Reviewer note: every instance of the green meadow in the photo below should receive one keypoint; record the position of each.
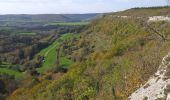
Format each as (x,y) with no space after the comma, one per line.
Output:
(50,53)
(5,70)
(27,33)
(69,23)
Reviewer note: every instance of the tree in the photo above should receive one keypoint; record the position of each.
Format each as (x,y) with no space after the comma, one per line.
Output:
(58,56)
(20,53)
(0,60)
(2,87)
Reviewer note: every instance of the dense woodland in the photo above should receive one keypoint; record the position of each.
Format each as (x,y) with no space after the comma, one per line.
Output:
(107,59)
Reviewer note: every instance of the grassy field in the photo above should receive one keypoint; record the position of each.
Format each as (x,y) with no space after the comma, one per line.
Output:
(4,65)
(5,28)
(17,74)
(50,53)
(69,23)
(4,69)
(27,33)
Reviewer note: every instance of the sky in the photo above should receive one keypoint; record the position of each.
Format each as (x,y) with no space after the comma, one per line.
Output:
(72,6)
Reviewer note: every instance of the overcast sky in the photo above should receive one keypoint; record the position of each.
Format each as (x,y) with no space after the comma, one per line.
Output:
(71,6)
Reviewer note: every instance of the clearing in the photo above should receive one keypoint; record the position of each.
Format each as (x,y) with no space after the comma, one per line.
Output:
(50,53)
(5,70)
(69,23)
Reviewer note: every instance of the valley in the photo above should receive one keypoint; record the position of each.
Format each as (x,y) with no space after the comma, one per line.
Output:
(108,56)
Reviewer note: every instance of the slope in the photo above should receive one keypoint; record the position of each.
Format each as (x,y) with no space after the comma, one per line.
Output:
(146,12)
(157,86)
(113,57)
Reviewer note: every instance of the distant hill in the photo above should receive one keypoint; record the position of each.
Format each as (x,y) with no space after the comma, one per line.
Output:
(48,17)
(145,12)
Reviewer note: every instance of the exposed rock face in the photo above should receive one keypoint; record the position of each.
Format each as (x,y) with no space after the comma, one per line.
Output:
(158,86)
(159,18)
(150,19)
